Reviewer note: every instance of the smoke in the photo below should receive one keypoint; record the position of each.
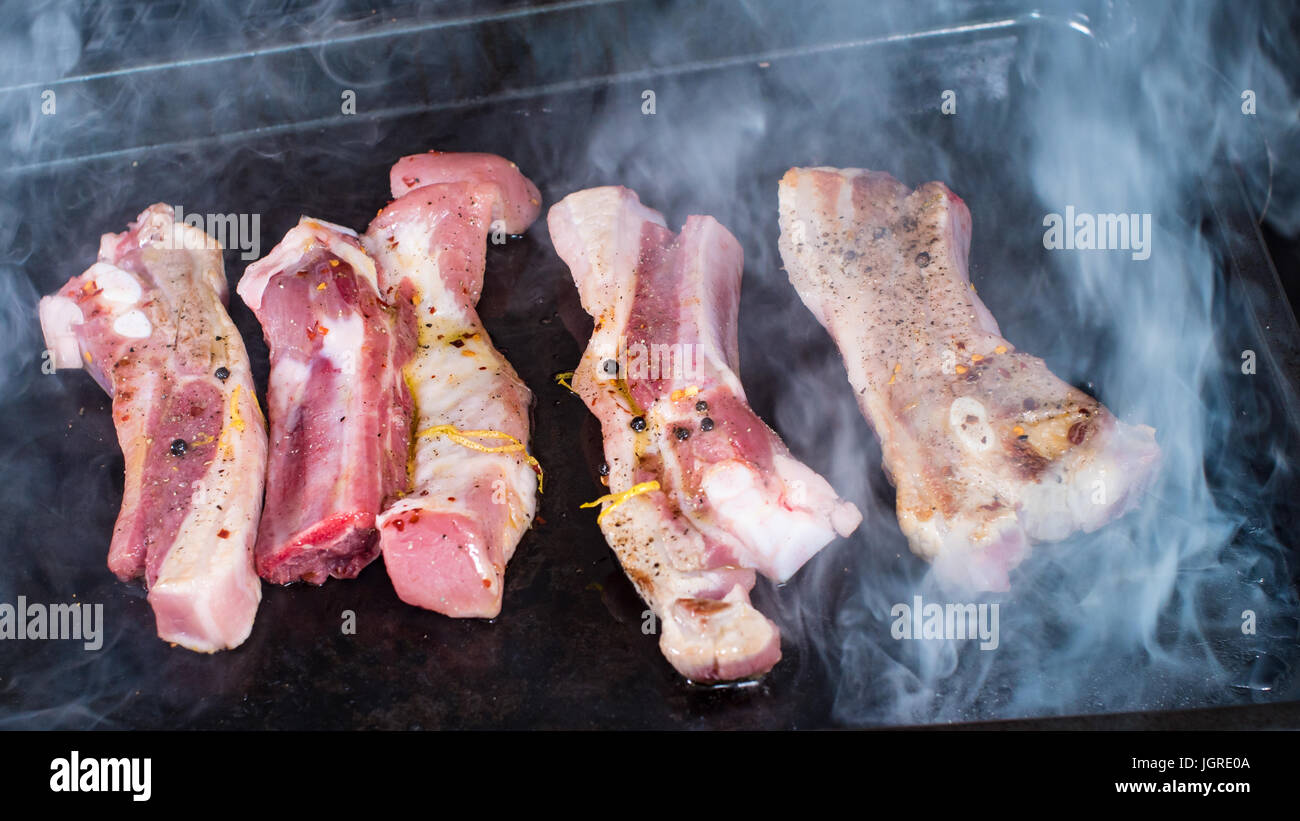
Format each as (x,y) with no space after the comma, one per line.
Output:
(1107,107)
(1190,600)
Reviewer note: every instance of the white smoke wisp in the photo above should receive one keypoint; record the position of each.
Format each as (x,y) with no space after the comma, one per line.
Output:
(1190,600)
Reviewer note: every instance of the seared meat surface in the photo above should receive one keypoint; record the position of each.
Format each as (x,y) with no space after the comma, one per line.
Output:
(988,449)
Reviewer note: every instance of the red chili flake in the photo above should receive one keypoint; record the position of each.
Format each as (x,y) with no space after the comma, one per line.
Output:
(223,534)
(399,524)
(487,582)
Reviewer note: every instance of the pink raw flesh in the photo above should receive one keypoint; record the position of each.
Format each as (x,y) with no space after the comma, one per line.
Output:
(431,559)
(338,405)
(148,321)
(447,541)
(731,497)
(193,414)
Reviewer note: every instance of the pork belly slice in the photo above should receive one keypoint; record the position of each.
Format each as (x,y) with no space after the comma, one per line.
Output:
(148,322)
(989,451)
(663,358)
(339,408)
(471,485)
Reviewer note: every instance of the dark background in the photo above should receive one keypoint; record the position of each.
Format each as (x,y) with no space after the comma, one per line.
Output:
(148,123)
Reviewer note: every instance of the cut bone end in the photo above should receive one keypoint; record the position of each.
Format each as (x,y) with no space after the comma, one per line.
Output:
(710,640)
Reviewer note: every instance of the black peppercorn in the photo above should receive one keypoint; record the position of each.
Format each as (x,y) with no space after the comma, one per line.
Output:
(223,373)
(702,406)
(682,434)
(609,367)
(706,424)
(178,447)
(638,423)
(603,470)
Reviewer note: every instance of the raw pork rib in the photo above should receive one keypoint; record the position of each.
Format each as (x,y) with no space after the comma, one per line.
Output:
(987,448)
(148,321)
(472,487)
(339,409)
(663,359)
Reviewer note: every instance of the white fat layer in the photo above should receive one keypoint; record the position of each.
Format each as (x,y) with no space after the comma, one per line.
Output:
(449,388)
(342,346)
(808,489)
(782,538)
(360,261)
(318,231)
(59,316)
(190,238)
(208,583)
(288,378)
(160,229)
(212,574)
(1097,485)
(118,286)
(342,229)
(1053,510)
(133,324)
(344,342)
(308,234)
(596,215)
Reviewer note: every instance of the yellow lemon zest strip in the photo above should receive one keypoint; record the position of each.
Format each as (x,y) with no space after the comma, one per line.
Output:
(235,418)
(462,438)
(616,499)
